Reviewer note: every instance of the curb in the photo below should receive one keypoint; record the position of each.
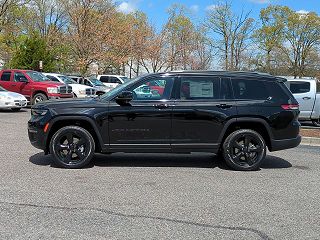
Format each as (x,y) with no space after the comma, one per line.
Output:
(310,141)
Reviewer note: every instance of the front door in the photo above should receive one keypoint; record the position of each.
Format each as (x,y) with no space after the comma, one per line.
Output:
(146,122)
(203,105)
(21,85)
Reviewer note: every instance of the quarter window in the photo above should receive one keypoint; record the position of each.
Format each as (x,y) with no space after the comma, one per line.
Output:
(299,87)
(250,89)
(6,76)
(197,88)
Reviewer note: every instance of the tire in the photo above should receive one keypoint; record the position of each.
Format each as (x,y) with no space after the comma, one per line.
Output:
(244,150)
(15,109)
(316,122)
(69,153)
(39,97)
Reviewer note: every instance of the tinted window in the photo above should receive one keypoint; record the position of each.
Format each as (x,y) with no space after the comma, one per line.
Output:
(194,88)
(143,91)
(226,89)
(114,80)
(318,86)
(5,76)
(52,78)
(19,76)
(299,87)
(249,89)
(104,79)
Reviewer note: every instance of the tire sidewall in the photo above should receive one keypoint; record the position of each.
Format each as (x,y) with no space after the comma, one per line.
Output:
(227,154)
(89,139)
(39,94)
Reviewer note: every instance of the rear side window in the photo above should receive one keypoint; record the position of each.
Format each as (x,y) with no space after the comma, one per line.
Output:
(104,79)
(249,89)
(197,88)
(299,87)
(6,76)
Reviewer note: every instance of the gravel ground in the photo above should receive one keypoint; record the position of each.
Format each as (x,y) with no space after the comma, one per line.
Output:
(147,196)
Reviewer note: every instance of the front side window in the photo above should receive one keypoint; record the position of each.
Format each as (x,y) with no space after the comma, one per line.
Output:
(246,89)
(67,80)
(6,76)
(144,91)
(18,77)
(52,78)
(199,88)
(299,87)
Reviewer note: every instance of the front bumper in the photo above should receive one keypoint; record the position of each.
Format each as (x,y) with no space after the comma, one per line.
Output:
(277,145)
(14,104)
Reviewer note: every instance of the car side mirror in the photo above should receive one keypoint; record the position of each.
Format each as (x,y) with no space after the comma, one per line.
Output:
(124,97)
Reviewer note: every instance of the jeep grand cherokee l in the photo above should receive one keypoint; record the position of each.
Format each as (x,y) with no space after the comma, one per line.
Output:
(237,115)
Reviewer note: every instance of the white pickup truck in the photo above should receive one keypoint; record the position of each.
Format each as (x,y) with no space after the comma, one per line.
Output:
(307,93)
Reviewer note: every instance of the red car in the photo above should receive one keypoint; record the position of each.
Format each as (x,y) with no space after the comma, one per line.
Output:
(33,85)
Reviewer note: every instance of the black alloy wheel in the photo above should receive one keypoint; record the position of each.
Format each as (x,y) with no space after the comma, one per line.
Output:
(316,122)
(244,149)
(72,147)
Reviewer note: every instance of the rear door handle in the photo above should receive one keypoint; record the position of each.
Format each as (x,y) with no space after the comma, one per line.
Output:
(306,98)
(224,106)
(161,105)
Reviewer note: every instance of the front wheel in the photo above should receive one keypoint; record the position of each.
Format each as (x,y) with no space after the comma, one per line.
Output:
(244,150)
(316,122)
(39,97)
(72,147)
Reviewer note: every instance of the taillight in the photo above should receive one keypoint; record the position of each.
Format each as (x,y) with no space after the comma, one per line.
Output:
(290,106)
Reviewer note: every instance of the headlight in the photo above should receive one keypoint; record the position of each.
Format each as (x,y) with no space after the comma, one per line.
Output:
(82,91)
(38,112)
(52,90)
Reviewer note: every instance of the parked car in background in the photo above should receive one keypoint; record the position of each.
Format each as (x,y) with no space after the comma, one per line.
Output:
(93,82)
(35,86)
(78,90)
(11,100)
(112,81)
(237,115)
(307,93)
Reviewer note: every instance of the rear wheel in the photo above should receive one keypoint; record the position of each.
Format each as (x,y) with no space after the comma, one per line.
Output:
(316,122)
(39,97)
(244,150)
(72,147)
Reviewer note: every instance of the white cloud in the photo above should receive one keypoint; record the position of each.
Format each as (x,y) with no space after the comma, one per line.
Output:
(127,7)
(302,11)
(260,1)
(194,8)
(211,7)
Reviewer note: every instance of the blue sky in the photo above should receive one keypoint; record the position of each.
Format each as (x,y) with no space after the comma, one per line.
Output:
(156,9)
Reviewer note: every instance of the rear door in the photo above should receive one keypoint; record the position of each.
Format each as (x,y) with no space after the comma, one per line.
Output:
(305,95)
(203,105)
(5,80)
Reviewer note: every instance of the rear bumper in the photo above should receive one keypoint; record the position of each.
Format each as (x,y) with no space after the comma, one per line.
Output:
(277,145)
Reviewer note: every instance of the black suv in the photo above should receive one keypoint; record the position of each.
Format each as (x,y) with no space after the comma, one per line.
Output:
(233,114)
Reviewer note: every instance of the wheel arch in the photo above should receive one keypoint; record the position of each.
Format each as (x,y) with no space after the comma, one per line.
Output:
(257,124)
(83,122)
(39,91)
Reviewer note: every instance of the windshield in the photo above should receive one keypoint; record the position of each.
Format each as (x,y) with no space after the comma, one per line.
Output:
(125,79)
(119,88)
(2,89)
(37,77)
(96,82)
(67,80)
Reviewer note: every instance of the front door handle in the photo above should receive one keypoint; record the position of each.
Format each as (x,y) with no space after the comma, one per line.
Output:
(161,105)
(224,106)
(306,98)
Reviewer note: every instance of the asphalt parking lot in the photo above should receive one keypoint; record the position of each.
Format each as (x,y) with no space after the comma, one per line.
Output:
(147,196)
